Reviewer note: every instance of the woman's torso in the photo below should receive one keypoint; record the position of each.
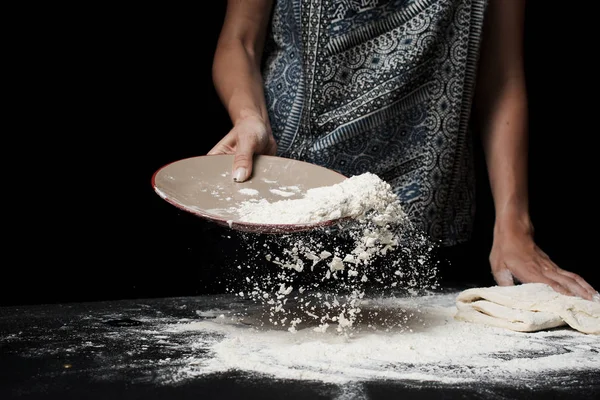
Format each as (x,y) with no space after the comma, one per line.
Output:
(383,86)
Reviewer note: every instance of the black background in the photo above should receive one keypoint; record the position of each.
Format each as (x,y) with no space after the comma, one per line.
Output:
(111,99)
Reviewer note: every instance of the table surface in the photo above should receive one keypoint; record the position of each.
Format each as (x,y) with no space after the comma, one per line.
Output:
(120,350)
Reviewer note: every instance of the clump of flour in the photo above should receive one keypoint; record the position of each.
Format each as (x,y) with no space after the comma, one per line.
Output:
(248,191)
(353,197)
(321,276)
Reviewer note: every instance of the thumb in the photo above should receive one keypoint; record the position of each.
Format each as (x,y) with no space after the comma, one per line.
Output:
(242,161)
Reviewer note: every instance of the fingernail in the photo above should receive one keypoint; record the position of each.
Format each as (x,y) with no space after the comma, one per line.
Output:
(239,175)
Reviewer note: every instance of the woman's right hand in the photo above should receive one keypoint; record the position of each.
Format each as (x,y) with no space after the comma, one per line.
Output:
(250,135)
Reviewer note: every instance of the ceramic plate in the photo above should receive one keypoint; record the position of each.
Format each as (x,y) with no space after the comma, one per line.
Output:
(204,186)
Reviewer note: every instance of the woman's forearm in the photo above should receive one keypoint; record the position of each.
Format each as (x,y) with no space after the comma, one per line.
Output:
(238,81)
(501,113)
(505,142)
(236,64)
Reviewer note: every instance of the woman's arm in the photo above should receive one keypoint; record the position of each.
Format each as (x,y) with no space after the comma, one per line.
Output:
(500,111)
(238,82)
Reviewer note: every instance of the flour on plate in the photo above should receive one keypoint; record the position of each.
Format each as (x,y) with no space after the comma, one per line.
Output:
(352,197)
(248,191)
(282,193)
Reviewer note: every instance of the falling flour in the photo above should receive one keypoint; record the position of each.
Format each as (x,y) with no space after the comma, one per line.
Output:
(322,275)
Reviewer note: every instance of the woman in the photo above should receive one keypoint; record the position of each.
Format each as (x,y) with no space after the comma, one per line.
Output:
(394,87)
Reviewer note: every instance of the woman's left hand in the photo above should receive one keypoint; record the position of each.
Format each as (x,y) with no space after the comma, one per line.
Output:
(516,256)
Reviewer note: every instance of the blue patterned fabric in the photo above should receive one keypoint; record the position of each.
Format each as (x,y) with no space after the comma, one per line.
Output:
(383,86)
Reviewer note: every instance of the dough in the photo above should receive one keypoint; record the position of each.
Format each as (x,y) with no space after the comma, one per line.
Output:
(527,308)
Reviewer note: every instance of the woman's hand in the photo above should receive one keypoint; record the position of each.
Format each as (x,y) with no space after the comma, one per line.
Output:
(515,255)
(250,135)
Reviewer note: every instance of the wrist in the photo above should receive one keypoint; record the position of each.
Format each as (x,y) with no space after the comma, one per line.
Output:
(513,222)
(245,114)
(242,107)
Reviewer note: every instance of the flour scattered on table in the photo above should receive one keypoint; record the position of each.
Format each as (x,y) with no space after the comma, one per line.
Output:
(174,341)
(430,346)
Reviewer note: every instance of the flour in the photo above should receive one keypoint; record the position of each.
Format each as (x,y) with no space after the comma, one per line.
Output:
(399,339)
(352,197)
(249,191)
(322,275)
(428,345)
(280,192)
